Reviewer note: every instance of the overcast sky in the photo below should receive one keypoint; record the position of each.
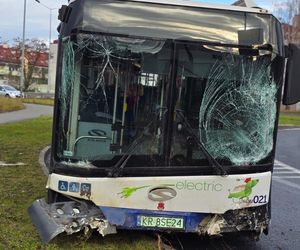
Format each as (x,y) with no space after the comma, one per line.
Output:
(38,17)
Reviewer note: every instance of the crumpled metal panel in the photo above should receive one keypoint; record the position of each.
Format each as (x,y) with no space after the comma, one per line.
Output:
(251,220)
(70,217)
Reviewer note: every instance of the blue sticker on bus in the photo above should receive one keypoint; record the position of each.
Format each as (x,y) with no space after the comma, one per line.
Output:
(63,186)
(74,187)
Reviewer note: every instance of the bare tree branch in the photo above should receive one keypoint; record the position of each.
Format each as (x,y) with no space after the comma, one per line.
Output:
(34,50)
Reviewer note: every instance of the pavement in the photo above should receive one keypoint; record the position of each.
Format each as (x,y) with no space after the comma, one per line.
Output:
(284,230)
(31,111)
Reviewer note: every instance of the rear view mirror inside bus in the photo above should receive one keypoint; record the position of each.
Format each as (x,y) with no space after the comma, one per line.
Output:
(291,93)
(251,36)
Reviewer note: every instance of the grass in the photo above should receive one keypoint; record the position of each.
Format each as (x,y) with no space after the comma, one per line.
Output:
(10,104)
(42,101)
(21,185)
(289,120)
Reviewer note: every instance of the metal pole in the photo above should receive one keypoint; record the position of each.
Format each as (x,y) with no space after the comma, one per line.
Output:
(124,110)
(23,49)
(49,52)
(115,103)
(50,28)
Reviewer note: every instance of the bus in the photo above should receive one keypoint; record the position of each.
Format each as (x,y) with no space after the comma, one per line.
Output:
(165,118)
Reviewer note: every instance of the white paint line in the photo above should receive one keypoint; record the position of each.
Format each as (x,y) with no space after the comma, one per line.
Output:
(286,177)
(295,170)
(288,183)
(278,177)
(282,169)
(283,172)
(288,129)
(279,168)
(4,164)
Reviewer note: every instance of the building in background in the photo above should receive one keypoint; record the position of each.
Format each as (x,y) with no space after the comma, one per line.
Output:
(296,30)
(36,67)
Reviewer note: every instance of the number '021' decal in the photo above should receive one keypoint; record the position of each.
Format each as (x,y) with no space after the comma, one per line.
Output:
(259,199)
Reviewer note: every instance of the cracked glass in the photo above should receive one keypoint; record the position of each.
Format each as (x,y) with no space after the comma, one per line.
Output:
(229,99)
(111,98)
(153,99)
(238,110)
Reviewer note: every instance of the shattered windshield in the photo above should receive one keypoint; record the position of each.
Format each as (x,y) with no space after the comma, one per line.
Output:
(120,96)
(238,110)
(110,96)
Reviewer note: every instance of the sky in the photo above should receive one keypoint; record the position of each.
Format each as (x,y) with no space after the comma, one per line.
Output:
(38,17)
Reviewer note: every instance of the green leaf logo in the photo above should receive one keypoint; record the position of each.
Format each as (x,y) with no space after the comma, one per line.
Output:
(128,191)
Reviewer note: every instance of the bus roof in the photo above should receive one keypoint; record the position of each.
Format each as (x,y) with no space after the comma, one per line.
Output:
(176,20)
(189,3)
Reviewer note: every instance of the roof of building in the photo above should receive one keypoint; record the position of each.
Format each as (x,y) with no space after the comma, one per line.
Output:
(13,55)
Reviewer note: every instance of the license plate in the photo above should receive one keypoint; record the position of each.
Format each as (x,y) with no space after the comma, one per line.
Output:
(161,222)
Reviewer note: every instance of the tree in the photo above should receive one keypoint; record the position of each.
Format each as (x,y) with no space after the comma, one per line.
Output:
(35,53)
(2,41)
(286,10)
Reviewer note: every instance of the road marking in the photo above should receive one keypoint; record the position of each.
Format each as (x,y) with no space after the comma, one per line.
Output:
(286,166)
(288,183)
(288,129)
(286,177)
(283,171)
(278,167)
(4,164)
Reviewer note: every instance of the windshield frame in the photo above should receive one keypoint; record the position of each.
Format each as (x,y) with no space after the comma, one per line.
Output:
(171,106)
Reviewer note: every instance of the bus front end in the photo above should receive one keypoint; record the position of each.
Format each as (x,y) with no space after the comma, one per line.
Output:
(165,119)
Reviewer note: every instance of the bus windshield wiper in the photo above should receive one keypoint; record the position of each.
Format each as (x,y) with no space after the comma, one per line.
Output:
(220,170)
(117,169)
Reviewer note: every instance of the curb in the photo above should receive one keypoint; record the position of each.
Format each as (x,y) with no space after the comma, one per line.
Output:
(42,159)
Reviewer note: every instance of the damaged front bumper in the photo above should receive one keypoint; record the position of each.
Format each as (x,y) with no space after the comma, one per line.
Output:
(73,216)
(254,221)
(69,217)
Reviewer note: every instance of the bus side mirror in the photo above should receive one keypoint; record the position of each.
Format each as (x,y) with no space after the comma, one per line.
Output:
(291,94)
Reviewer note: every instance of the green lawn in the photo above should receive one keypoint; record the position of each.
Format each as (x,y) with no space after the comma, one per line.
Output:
(10,104)
(21,185)
(42,101)
(289,120)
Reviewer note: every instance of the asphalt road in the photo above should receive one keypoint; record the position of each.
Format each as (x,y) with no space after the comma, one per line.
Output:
(31,111)
(284,231)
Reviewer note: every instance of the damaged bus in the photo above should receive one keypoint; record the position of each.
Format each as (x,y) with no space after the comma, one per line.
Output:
(166,115)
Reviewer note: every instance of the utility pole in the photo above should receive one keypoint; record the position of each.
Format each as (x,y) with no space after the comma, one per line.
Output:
(50,24)
(23,49)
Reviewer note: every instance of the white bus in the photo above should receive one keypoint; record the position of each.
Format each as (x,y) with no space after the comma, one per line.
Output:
(166,115)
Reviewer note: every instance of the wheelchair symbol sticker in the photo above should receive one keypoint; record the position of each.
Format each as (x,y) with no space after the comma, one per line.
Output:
(63,186)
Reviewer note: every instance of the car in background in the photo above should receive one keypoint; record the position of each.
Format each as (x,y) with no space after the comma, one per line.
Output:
(9,91)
